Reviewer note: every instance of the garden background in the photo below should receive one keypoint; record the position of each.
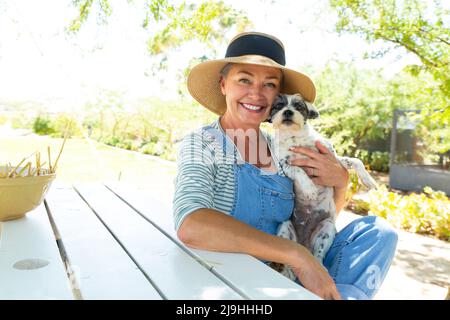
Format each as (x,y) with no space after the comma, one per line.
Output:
(116,70)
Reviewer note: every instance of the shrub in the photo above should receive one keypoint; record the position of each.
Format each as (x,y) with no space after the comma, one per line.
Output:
(63,121)
(154,148)
(426,213)
(56,126)
(377,160)
(42,125)
(3,119)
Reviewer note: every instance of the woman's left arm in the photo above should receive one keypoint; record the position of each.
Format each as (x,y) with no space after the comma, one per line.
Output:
(324,169)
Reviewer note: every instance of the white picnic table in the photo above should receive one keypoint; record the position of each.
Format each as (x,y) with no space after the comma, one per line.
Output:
(96,241)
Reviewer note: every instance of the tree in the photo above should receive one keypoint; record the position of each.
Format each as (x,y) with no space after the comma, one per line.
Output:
(171,25)
(420,27)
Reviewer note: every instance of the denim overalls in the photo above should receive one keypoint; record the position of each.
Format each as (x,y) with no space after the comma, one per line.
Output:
(262,199)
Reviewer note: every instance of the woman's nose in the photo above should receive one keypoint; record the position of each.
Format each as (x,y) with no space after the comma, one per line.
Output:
(255,90)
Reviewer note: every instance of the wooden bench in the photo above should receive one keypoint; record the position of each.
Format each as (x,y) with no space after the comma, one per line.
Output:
(94,241)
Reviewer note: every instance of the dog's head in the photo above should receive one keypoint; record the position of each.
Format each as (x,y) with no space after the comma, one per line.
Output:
(291,111)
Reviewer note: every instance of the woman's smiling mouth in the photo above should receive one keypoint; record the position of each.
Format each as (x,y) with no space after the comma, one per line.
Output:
(252,107)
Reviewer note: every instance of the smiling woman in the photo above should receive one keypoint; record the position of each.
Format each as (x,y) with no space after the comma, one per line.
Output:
(231,194)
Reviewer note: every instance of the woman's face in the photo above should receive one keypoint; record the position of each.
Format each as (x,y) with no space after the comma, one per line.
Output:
(249,92)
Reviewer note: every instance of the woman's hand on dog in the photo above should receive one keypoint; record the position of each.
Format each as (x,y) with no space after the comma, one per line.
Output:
(314,276)
(322,167)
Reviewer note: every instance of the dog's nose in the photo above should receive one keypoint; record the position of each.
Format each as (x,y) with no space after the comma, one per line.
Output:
(288,113)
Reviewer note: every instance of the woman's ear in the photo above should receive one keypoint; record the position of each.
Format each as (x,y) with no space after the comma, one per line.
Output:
(222,84)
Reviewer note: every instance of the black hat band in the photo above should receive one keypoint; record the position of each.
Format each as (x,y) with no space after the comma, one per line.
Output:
(259,45)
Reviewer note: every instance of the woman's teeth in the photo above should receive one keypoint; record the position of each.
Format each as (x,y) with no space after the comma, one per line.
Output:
(251,107)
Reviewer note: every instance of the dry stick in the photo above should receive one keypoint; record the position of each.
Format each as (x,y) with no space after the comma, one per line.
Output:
(7,169)
(38,160)
(10,174)
(49,159)
(23,169)
(29,169)
(62,147)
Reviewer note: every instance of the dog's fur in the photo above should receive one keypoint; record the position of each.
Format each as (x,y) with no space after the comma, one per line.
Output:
(313,221)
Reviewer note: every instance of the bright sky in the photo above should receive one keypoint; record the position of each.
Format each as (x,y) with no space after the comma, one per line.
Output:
(39,61)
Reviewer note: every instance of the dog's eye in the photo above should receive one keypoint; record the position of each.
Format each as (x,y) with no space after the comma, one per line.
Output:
(298,105)
(278,105)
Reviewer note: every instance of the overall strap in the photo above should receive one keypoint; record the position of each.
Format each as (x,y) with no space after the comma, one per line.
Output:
(222,140)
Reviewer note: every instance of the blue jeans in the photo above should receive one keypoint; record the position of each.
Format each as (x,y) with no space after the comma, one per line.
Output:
(360,257)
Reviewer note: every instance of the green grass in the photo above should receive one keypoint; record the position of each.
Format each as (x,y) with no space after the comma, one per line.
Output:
(87,160)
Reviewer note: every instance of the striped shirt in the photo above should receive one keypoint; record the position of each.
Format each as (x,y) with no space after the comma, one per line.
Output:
(205,177)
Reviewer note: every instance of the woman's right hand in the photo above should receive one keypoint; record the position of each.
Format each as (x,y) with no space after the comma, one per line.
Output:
(314,276)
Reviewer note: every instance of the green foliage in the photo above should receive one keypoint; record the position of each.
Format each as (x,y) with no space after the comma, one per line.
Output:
(427,213)
(172,23)
(420,27)
(356,108)
(42,125)
(3,119)
(206,22)
(150,126)
(153,148)
(56,126)
(84,9)
(376,160)
(63,122)
(353,187)
(21,120)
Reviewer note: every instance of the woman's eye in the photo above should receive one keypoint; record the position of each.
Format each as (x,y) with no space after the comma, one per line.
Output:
(244,81)
(271,85)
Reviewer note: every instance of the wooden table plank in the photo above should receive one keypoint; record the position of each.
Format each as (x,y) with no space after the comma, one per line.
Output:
(102,269)
(30,263)
(175,272)
(243,272)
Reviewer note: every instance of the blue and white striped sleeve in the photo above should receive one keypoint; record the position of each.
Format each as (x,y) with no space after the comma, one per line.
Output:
(194,182)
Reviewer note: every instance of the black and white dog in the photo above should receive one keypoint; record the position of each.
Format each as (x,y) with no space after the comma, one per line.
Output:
(313,221)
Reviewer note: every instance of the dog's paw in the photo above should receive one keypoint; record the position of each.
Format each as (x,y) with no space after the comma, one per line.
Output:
(319,250)
(322,238)
(286,230)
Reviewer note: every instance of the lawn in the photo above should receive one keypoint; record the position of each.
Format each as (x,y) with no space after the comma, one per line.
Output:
(85,160)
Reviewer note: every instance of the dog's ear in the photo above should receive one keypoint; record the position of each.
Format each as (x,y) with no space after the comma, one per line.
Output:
(312,111)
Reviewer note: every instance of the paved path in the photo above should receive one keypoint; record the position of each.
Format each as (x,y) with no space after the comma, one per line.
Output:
(421,266)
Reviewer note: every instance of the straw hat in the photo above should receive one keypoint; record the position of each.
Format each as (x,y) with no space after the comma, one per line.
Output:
(250,48)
